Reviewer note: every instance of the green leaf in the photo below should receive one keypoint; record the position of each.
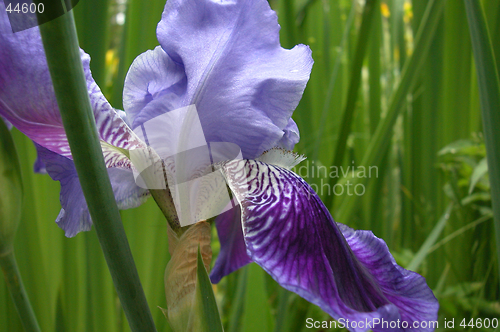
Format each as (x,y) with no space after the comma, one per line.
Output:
(479,171)
(457,146)
(238,304)
(257,314)
(489,92)
(206,307)
(430,241)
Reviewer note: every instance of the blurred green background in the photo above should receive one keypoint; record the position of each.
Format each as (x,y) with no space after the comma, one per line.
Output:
(429,198)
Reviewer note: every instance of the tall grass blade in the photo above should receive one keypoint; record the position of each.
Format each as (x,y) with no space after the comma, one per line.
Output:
(11,190)
(380,141)
(95,14)
(333,79)
(257,315)
(237,308)
(10,208)
(15,284)
(345,125)
(206,307)
(460,231)
(489,91)
(430,241)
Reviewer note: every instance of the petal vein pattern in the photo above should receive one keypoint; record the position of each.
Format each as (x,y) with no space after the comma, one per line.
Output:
(27,98)
(349,274)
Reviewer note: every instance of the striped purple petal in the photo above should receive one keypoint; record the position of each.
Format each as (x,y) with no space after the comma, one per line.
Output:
(27,101)
(349,274)
(233,251)
(27,98)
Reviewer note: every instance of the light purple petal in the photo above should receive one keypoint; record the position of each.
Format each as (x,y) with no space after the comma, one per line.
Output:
(39,166)
(233,251)
(291,136)
(27,98)
(127,194)
(244,84)
(290,233)
(153,77)
(74,216)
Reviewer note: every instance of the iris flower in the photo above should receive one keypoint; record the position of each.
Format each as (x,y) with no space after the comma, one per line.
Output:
(225,58)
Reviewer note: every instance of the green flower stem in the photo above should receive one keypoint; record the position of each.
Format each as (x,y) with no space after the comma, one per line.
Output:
(63,57)
(18,293)
(489,92)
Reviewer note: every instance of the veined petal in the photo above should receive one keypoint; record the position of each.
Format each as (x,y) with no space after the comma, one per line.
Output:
(27,98)
(39,166)
(291,136)
(153,78)
(233,251)
(418,302)
(290,233)
(244,84)
(111,128)
(74,216)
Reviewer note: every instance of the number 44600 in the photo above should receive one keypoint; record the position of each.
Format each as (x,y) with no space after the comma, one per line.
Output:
(477,323)
(25,8)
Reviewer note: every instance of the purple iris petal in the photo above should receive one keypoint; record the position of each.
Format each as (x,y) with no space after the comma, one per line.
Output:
(39,166)
(74,216)
(233,251)
(418,302)
(290,137)
(27,98)
(351,275)
(153,78)
(244,84)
